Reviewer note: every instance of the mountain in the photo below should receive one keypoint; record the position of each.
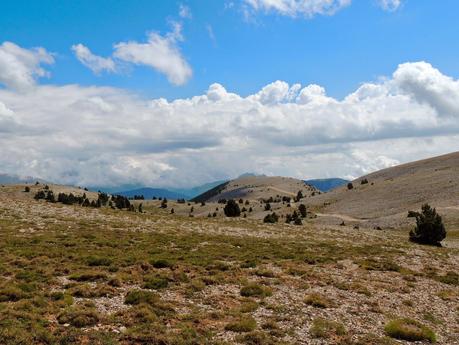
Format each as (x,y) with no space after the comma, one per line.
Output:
(195,191)
(149,193)
(390,193)
(15,179)
(255,188)
(327,184)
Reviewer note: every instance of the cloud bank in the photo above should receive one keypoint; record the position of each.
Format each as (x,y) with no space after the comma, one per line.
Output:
(103,136)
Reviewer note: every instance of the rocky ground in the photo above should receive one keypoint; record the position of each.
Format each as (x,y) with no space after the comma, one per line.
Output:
(74,275)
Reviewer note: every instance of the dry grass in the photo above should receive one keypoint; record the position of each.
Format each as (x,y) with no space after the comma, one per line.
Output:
(71,275)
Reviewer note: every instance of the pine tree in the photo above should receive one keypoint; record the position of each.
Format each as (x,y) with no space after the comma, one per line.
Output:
(232,209)
(429,227)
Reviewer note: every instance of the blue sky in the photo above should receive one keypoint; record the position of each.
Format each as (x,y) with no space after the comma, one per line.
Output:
(176,94)
(359,43)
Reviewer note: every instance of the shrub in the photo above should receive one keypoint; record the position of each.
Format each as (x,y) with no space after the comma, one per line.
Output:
(135,297)
(364,181)
(267,206)
(79,317)
(88,276)
(162,263)
(232,209)
(155,283)
(451,278)
(322,328)
(408,329)
(299,195)
(350,186)
(11,294)
(318,301)
(271,218)
(27,189)
(255,290)
(246,324)
(429,227)
(98,261)
(302,210)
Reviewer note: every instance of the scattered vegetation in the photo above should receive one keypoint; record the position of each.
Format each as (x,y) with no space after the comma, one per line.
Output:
(408,329)
(323,328)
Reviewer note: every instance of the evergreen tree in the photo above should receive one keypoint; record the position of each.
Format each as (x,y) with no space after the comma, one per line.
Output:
(232,209)
(303,211)
(429,227)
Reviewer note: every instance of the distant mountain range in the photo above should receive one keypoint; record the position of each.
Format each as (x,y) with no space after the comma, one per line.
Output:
(149,193)
(172,193)
(326,184)
(14,179)
(177,193)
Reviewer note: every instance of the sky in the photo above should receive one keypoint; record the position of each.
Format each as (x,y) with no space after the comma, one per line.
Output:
(180,93)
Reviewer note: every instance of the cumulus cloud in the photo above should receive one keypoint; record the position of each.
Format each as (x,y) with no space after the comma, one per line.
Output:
(160,53)
(108,137)
(390,5)
(295,8)
(20,67)
(95,63)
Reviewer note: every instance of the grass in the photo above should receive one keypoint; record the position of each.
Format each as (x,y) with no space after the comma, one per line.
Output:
(408,329)
(155,283)
(202,278)
(78,317)
(246,324)
(318,301)
(323,328)
(135,297)
(255,290)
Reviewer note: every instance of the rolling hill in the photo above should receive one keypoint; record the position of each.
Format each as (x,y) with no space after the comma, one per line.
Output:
(256,188)
(387,195)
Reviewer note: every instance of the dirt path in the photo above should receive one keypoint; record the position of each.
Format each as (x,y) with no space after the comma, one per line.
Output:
(340,216)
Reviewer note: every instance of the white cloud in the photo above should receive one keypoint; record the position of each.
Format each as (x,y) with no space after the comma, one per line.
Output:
(95,63)
(20,67)
(210,32)
(390,5)
(160,53)
(296,8)
(428,85)
(107,136)
(185,12)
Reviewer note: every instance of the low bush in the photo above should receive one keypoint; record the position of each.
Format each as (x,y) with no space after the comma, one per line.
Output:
(79,317)
(246,324)
(318,301)
(255,290)
(410,330)
(155,283)
(322,328)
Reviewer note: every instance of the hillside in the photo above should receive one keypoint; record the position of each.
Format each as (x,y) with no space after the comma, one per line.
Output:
(84,275)
(256,188)
(390,193)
